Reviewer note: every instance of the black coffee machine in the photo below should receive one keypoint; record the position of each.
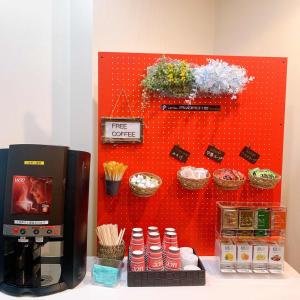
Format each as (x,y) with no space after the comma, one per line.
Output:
(43,218)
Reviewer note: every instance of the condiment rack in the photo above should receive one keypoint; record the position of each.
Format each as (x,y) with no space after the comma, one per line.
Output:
(250,237)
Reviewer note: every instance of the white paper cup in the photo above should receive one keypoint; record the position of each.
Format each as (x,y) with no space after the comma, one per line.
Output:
(189,259)
(191,268)
(186,250)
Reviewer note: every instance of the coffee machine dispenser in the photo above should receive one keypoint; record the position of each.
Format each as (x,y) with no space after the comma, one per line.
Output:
(43,218)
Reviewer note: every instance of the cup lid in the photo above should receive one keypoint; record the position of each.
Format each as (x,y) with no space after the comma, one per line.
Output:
(154,233)
(171,233)
(170,229)
(173,249)
(186,250)
(137,235)
(155,248)
(152,228)
(137,252)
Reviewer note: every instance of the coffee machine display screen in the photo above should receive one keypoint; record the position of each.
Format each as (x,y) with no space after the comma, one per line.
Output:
(31,195)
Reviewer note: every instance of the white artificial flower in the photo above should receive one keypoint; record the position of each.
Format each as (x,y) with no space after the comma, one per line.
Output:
(219,78)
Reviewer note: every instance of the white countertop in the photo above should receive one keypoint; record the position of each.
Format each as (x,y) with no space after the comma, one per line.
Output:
(218,286)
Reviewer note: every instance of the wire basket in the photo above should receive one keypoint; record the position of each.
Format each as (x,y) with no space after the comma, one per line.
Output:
(226,184)
(263,183)
(112,252)
(144,192)
(192,184)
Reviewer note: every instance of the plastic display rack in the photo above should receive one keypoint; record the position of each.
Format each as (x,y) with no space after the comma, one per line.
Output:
(250,237)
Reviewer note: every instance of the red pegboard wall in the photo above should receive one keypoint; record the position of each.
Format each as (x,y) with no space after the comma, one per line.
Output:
(256,119)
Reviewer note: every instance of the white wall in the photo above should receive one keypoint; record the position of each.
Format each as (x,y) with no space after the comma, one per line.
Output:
(271,28)
(154,26)
(34,71)
(46,77)
(83,109)
(26,71)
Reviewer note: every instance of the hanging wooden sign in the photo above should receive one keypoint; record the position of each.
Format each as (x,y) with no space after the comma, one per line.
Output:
(180,154)
(250,155)
(214,153)
(122,130)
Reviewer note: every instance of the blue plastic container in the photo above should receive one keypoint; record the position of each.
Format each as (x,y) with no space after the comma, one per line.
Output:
(107,271)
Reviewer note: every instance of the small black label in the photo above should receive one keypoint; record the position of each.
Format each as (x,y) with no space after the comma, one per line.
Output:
(179,153)
(248,154)
(191,107)
(215,154)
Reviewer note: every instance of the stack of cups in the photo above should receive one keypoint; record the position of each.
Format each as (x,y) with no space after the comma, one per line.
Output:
(155,260)
(173,262)
(188,259)
(157,256)
(137,241)
(170,239)
(152,239)
(134,231)
(137,261)
(166,241)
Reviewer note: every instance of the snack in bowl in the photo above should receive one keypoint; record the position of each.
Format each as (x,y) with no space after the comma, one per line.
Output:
(263,178)
(192,178)
(230,174)
(144,184)
(229,179)
(193,172)
(144,181)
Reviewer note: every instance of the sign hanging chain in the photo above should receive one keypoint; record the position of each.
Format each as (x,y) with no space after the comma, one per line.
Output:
(122,92)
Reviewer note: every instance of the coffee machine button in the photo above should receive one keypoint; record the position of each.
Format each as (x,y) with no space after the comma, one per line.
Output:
(49,231)
(22,231)
(36,231)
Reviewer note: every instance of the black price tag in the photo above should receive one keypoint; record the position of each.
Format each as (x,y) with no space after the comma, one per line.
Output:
(215,154)
(179,153)
(250,155)
(168,107)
